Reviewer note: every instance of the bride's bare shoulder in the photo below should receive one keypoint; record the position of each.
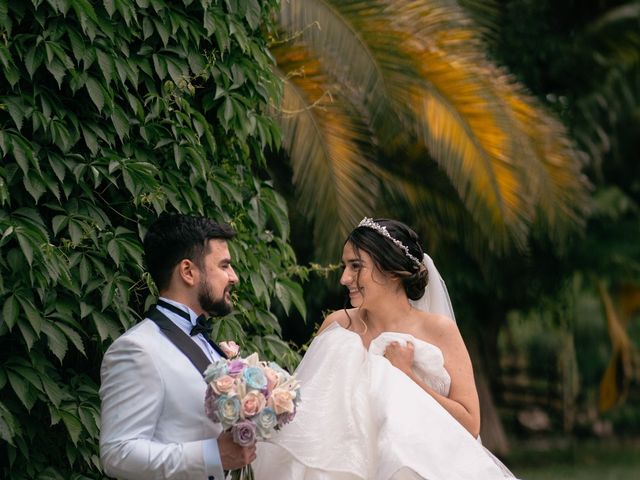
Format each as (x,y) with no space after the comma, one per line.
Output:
(341,317)
(435,326)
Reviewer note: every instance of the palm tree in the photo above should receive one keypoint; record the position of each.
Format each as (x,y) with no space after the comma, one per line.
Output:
(368,82)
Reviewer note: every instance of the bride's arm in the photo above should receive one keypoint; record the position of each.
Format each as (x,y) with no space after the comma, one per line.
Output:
(462,402)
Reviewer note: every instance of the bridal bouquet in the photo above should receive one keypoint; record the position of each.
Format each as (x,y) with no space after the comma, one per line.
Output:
(249,397)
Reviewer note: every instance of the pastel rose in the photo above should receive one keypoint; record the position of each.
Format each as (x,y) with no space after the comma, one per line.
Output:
(279,370)
(272,378)
(254,378)
(253,403)
(236,367)
(265,422)
(282,401)
(230,348)
(244,433)
(227,410)
(223,384)
(215,370)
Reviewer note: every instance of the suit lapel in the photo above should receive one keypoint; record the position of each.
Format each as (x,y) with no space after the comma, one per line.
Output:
(182,341)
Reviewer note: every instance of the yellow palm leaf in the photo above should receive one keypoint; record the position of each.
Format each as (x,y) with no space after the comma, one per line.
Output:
(327,144)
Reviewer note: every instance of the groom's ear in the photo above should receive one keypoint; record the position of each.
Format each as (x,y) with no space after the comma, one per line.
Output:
(187,272)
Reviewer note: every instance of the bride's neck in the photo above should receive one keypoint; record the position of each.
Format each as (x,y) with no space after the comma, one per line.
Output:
(387,313)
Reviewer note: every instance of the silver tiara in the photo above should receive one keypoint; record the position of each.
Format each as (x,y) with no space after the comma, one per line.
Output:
(369,223)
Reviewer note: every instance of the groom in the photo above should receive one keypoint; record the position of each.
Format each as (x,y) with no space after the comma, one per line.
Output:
(152,389)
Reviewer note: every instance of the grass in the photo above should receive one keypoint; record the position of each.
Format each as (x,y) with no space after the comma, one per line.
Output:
(601,460)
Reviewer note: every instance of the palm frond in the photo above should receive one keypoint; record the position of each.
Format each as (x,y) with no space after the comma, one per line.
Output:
(486,14)
(615,36)
(417,69)
(603,113)
(333,31)
(329,148)
(552,163)
(503,152)
(442,218)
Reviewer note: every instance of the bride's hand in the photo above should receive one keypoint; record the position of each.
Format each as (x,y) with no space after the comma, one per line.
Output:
(399,356)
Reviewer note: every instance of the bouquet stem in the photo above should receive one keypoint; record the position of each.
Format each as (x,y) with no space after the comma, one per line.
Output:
(245,473)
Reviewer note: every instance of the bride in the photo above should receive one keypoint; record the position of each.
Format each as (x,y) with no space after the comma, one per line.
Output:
(387,386)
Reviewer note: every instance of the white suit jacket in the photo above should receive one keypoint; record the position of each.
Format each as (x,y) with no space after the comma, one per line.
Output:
(153,419)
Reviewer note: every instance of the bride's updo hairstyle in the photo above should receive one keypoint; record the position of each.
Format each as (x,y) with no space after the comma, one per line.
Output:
(388,256)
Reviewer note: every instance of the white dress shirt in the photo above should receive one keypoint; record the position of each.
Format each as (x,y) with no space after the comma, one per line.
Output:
(186,327)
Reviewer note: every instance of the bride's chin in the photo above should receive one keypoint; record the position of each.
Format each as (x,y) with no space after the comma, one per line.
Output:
(356,301)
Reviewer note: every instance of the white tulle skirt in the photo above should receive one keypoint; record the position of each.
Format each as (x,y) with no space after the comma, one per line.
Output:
(361,418)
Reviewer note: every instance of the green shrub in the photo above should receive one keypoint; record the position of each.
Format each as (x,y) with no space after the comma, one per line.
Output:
(112,112)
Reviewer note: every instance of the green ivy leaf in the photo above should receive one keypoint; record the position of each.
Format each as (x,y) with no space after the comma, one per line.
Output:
(10,311)
(32,314)
(120,122)
(258,285)
(88,419)
(160,66)
(16,110)
(28,335)
(87,15)
(33,59)
(22,152)
(74,427)
(284,295)
(95,92)
(22,389)
(26,246)
(90,140)
(106,65)
(109,6)
(163,31)
(8,425)
(296,295)
(54,393)
(27,372)
(58,70)
(34,186)
(106,327)
(72,335)
(56,340)
(114,251)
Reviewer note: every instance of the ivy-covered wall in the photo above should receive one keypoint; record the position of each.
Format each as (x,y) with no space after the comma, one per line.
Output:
(112,112)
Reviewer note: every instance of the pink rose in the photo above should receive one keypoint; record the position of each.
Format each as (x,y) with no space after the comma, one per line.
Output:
(230,348)
(236,367)
(223,384)
(272,378)
(253,403)
(281,401)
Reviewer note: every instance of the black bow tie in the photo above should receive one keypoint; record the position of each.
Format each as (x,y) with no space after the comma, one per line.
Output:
(202,324)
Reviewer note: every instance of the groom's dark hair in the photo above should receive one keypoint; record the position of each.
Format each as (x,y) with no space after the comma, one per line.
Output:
(172,238)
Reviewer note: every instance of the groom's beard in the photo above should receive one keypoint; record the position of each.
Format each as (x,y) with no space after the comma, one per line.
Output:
(215,307)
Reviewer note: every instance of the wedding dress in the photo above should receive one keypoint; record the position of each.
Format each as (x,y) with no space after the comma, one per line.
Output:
(362,418)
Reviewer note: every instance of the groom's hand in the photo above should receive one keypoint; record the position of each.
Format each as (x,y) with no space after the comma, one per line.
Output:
(232,455)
